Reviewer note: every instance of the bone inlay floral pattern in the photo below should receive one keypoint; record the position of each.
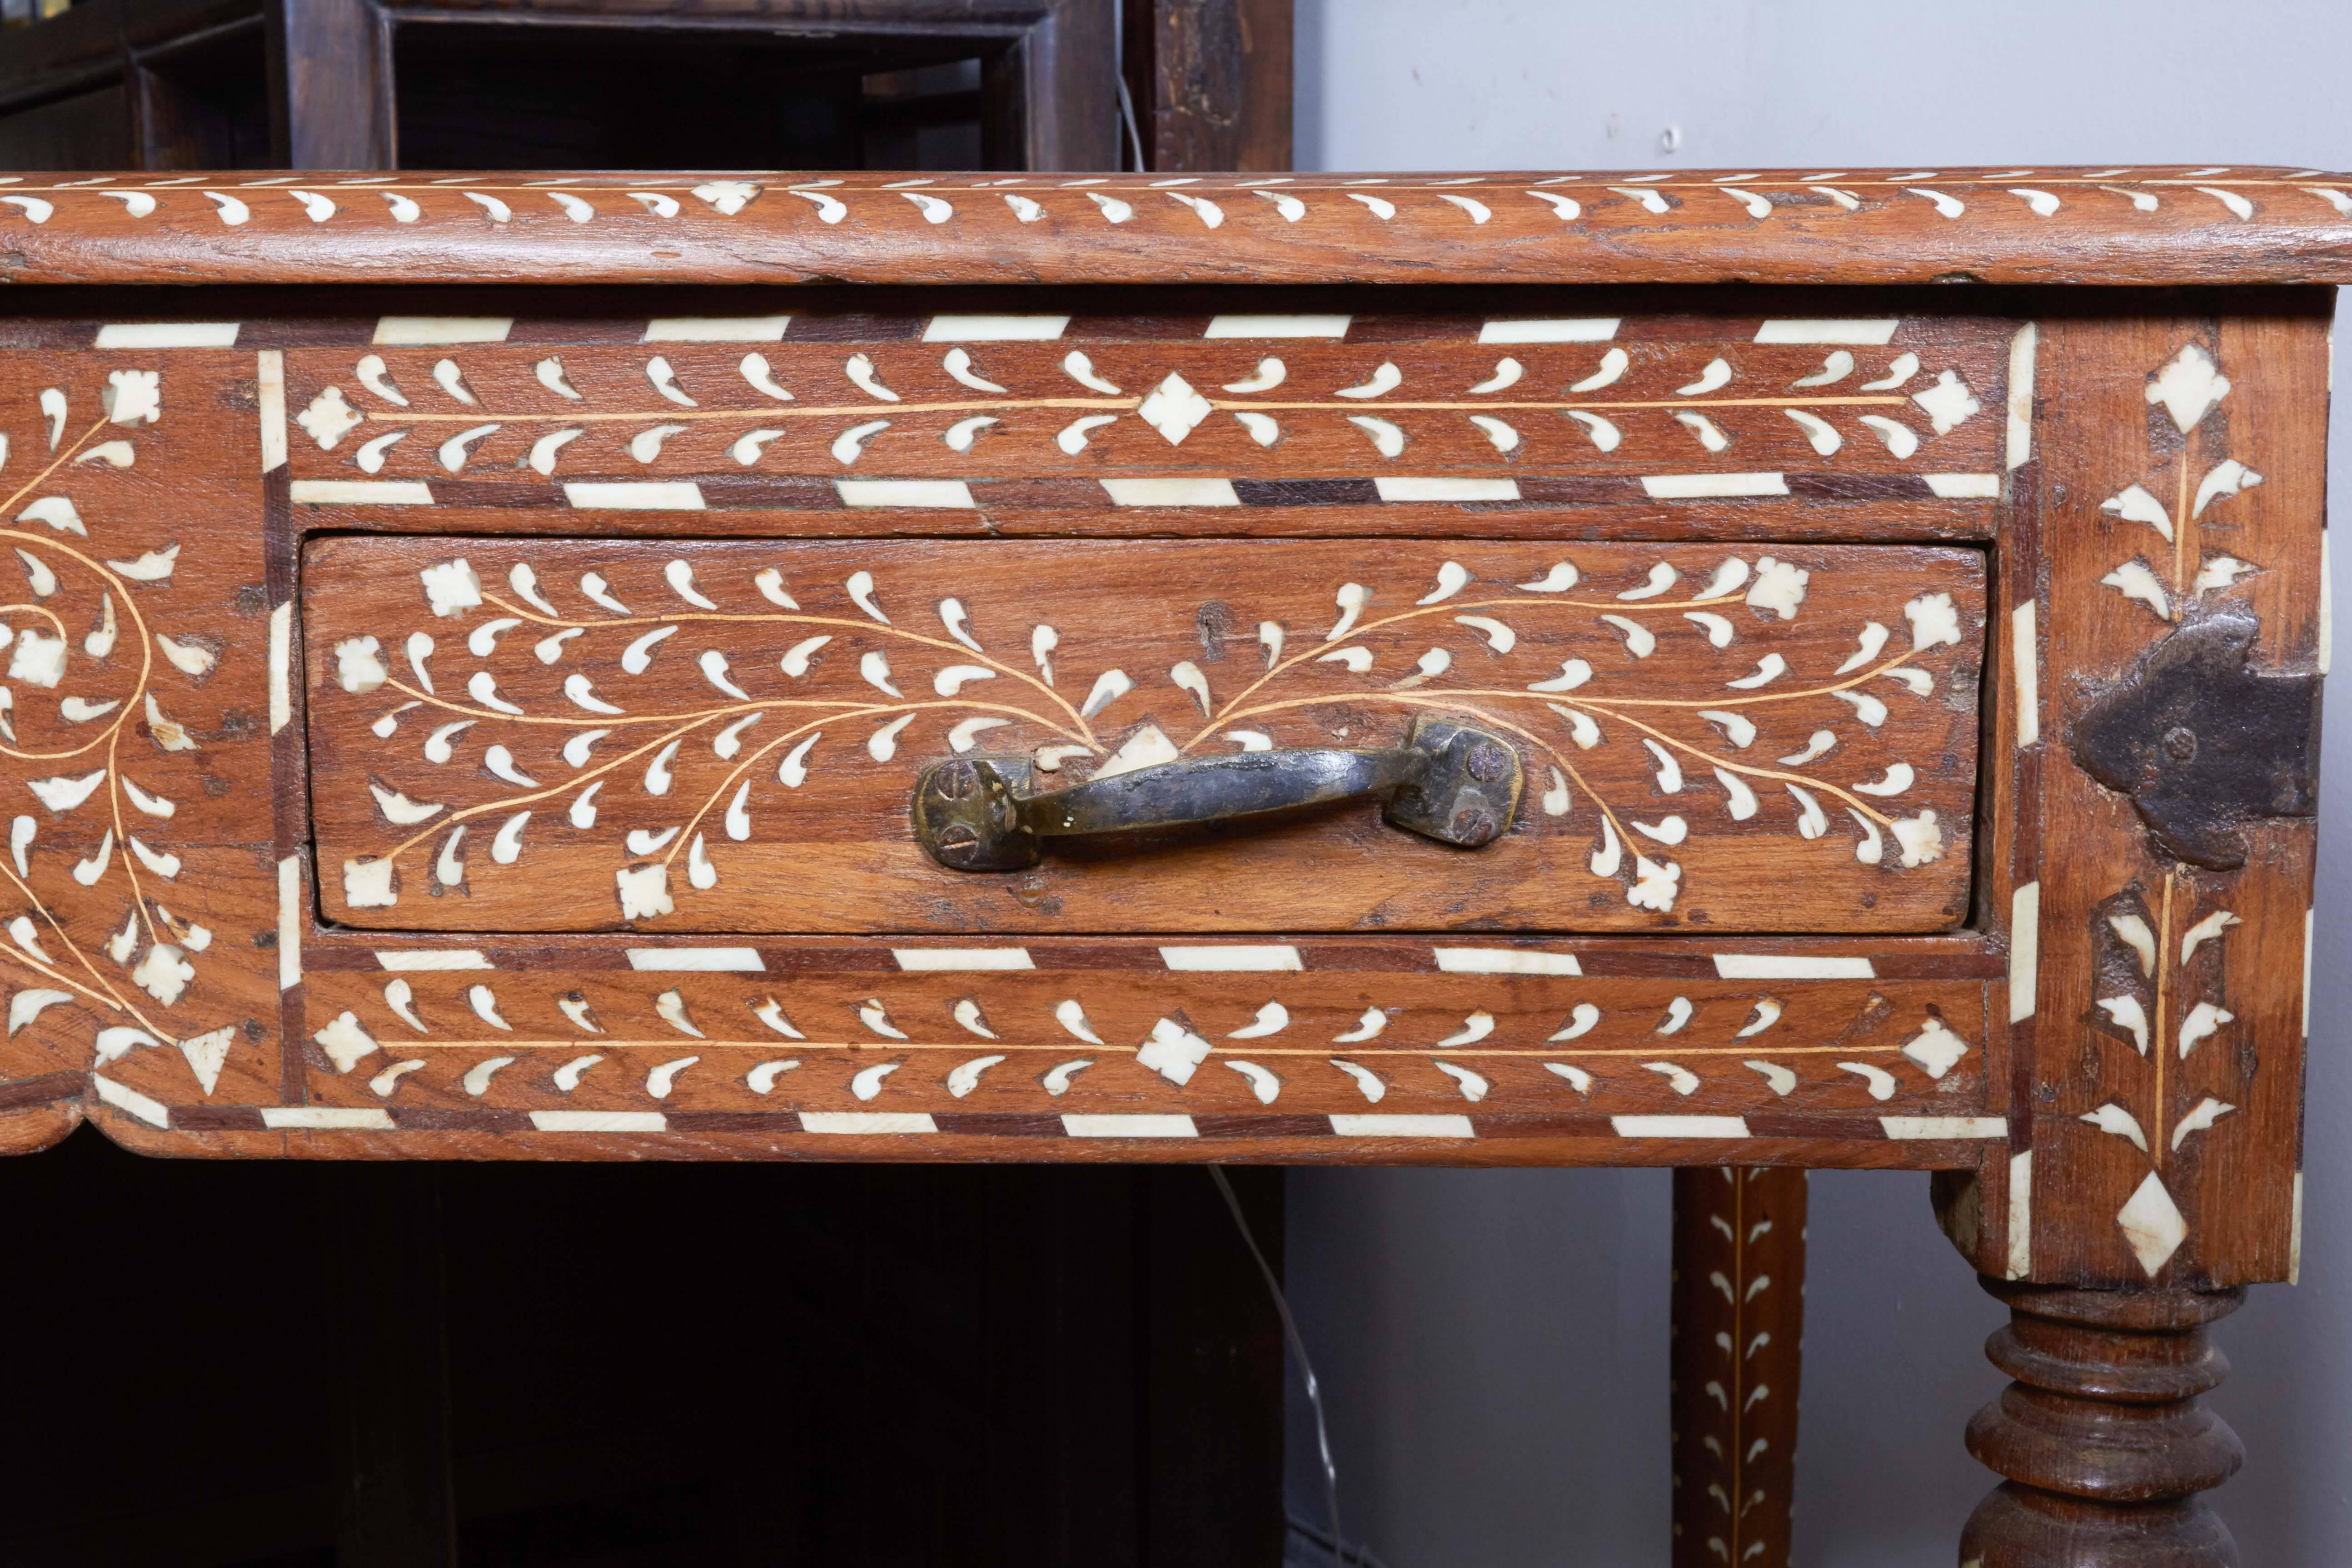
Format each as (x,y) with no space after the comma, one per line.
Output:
(106,725)
(2191,1053)
(1252,395)
(569,735)
(1458,1055)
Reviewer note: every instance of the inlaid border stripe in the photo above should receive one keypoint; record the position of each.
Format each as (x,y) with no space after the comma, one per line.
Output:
(333,1118)
(1842,1128)
(1252,326)
(1130,1126)
(947,494)
(716,329)
(935,960)
(1790,966)
(995,329)
(1712,487)
(269,388)
(1056,493)
(868,1121)
(689,960)
(639,495)
(1167,493)
(1446,490)
(361,492)
(599,1121)
(122,1097)
(1611,958)
(401,958)
(1366,1125)
(289,786)
(1856,332)
(2025,665)
(281,667)
(2019,1262)
(167,335)
(1504,961)
(432,331)
(2024,950)
(1680,1126)
(2022,353)
(1239,958)
(1919,1127)
(290,922)
(1551,329)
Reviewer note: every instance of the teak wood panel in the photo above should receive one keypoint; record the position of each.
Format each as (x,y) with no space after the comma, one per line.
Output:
(2057,426)
(559,734)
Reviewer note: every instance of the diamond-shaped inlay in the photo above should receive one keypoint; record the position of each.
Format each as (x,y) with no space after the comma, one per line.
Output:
(2152,1224)
(328,417)
(1948,403)
(1174,409)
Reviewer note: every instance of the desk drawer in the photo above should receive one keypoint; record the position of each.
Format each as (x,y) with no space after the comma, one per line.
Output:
(575,735)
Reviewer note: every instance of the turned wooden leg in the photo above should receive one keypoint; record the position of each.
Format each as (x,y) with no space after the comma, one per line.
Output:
(2102,1437)
(1738,1316)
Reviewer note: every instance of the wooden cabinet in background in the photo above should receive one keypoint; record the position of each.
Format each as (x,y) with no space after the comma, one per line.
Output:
(603,84)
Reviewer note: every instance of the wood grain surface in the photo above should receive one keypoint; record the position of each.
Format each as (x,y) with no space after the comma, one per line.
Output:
(1390,432)
(1514,413)
(2060,550)
(2104,1438)
(2173,225)
(2169,999)
(1874,1050)
(1697,728)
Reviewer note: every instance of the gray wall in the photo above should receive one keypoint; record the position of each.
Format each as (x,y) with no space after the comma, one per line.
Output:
(1493,1343)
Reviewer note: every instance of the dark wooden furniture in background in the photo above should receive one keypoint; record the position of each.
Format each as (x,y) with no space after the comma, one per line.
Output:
(1158,1441)
(1212,82)
(639,1366)
(601,84)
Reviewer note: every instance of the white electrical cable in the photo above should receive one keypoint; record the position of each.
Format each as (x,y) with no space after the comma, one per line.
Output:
(1127,113)
(1126,100)
(1305,1369)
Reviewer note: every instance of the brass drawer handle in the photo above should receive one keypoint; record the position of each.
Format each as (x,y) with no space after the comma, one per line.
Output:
(1451,782)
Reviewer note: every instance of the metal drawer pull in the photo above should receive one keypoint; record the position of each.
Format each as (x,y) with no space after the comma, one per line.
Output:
(1451,782)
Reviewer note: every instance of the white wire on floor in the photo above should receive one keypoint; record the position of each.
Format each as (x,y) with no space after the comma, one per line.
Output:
(1336,1543)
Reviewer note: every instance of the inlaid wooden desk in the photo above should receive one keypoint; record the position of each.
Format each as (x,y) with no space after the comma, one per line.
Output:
(1808,669)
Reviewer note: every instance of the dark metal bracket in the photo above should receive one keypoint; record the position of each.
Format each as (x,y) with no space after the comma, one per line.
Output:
(2204,743)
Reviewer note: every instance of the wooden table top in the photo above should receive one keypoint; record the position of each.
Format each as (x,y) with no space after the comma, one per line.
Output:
(2144,226)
